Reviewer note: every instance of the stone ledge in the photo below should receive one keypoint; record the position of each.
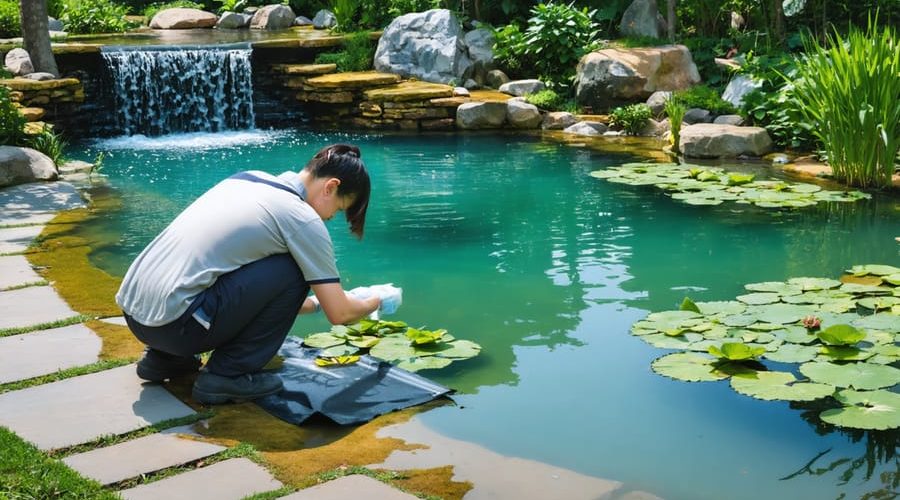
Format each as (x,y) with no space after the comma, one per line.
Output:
(304,69)
(352,80)
(409,91)
(26,84)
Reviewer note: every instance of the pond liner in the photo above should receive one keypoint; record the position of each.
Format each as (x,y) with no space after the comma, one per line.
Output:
(346,394)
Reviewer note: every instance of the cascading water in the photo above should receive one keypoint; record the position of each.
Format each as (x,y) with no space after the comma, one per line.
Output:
(163,90)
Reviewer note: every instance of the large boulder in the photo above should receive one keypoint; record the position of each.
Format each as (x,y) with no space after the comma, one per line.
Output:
(522,115)
(558,120)
(586,128)
(612,77)
(479,45)
(642,18)
(231,21)
(426,45)
(495,78)
(657,101)
(522,87)
(21,165)
(475,115)
(181,18)
(54,24)
(738,87)
(273,17)
(18,62)
(324,19)
(708,140)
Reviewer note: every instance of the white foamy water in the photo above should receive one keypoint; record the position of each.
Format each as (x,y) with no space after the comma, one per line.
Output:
(196,141)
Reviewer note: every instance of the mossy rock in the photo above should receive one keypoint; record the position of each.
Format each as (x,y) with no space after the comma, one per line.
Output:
(33,85)
(410,91)
(304,69)
(353,80)
(488,96)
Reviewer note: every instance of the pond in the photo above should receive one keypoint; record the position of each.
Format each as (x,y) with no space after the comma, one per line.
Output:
(507,241)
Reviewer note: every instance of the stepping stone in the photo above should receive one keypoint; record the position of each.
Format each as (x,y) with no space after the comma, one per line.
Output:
(115,320)
(353,486)
(32,306)
(15,270)
(353,80)
(81,409)
(141,456)
(39,353)
(231,479)
(17,239)
(37,202)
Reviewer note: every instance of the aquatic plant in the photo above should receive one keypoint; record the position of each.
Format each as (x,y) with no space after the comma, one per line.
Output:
(851,360)
(631,118)
(675,110)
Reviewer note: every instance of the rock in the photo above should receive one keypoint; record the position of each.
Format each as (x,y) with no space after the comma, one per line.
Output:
(611,77)
(522,115)
(779,159)
(324,19)
(697,115)
(54,24)
(657,101)
(738,87)
(651,129)
(707,140)
(471,84)
(642,18)
(475,115)
(21,165)
(18,62)
(182,18)
(426,45)
(727,64)
(736,120)
(558,120)
(586,128)
(32,114)
(302,21)
(75,167)
(522,87)
(461,92)
(495,78)
(273,17)
(40,76)
(480,51)
(230,21)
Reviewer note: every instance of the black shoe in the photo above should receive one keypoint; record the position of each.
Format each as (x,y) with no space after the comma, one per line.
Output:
(157,366)
(212,389)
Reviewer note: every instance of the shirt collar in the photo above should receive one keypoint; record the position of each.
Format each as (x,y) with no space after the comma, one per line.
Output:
(292,180)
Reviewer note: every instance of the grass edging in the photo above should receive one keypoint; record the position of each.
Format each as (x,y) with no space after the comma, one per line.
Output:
(76,371)
(73,320)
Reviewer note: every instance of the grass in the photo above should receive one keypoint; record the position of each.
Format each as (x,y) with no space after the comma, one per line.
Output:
(25,472)
(242,450)
(64,374)
(25,285)
(81,318)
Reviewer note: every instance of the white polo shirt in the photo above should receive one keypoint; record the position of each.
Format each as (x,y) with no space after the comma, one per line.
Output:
(233,224)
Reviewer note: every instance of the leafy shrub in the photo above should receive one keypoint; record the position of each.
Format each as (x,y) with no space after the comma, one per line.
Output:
(49,143)
(556,38)
(356,15)
(9,19)
(704,50)
(545,99)
(12,123)
(152,9)
(94,16)
(631,118)
(675,110)
(358,53)
(399,7)
(701,96)
(848,91)
(509,48)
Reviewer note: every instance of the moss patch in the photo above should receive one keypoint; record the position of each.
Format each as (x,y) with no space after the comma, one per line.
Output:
(118,341)
(437,482)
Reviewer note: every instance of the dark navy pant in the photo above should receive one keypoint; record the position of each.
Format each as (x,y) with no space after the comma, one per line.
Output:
(251,310)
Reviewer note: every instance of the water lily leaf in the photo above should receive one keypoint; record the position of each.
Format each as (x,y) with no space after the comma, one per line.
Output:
(840,335)
(336,351)
(838,305)
(844,353)
(814,283)
(336,360)
(795,335)
(876,269)
(716,332)
(322,340)
(429,363)
(793,353)
(877,303)
(860,376)
(879,337)
(697,200)
(859,289)
(739,320)
(779,287)
(605,174)
(663,341)
(782,314)
(893,279)
(674,317)
(876,410)
(888,322)
(687,366)
(764,327)
(779,386)
(889,350)
(759,298)
(419,337)
(734,351)
(739,179)
(460,349)
(392,349)
(727,307)
(365,341)
(804,188)
(688,305)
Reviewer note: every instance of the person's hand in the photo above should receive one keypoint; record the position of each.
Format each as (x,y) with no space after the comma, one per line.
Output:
(391,297)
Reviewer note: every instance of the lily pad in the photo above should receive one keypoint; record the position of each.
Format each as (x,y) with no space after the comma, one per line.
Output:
(860,376)
(461,349)
(858,289)
(759,298)
(664,341)
(739,320)
(726,307)
(893,279)
(878,303)
(779,287)
(735,351)
(779,386)
(844,353)
(888,322)
(840,335)
(689,367)
(337,351)
(876,269)
(429,363)
(795,334)
(323,340)
(793,353)
(782,314)
(393,349)
(815,283)
(876,410)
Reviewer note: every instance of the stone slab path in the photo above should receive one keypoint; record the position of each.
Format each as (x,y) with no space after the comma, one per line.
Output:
(32,306)
(36,203)
(347,487)
(141,456)
(228,480)
(17,239)
(15,270)
(57,349)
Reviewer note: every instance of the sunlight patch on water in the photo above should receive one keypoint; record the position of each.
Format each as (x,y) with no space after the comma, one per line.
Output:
(196,141)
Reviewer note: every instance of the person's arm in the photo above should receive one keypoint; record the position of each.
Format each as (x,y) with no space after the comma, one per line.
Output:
(339,307)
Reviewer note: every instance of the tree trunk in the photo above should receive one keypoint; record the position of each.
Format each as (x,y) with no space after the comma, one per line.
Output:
(779,21)
(36,36)
(670,19)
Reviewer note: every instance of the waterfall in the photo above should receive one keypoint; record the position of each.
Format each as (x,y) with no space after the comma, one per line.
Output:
(163,90)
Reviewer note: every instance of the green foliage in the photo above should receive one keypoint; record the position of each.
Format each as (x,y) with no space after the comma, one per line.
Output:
(94,16)
(50,143)
(399,7)
(509,48)
(839,335)
(229,6)
(631,118)
(704,97)
(152,9)
(675,110)
(358,54)
(12,123)
(848,90)
(356,15)
(704,50)
(10,26)
(546,99)
(641,41)
(736,351)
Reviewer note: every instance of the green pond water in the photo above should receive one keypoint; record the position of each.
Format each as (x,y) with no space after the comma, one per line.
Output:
(509,242)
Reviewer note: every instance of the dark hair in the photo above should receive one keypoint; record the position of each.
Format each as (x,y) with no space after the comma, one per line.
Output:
(342,162)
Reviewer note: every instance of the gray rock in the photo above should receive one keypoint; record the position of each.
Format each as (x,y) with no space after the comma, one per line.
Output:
(302,21)
(651,129)
(21,165)
(40,76)
(461,92)
(707,140)
(495,78)
(54,24)
(181,18)
(737,21)
(736,120)
(657,101)
(273,17)
(522,87)
(697,115)
(738,87)
(251,10)
(230,21)
(471,84)
(324,19)
(75,166)
(558,120)
(426,45)
(475,115)
(642,18)
(18,62)
(780,159)
(586,128)
(522,115)
(479,50)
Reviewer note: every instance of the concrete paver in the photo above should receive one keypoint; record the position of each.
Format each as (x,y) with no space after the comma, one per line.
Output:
(141,456)
(15,270)
(115,320)
(39,353)
(17,239)
(231,479)
(80,409)
(37,202)
(353,486)
(32,306)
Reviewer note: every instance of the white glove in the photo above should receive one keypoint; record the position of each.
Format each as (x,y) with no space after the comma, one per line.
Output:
(391,297)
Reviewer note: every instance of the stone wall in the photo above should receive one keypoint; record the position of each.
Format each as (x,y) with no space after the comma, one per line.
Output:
(51,100)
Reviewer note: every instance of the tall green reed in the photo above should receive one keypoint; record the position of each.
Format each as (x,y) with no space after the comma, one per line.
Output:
(849,90)
(675,110)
